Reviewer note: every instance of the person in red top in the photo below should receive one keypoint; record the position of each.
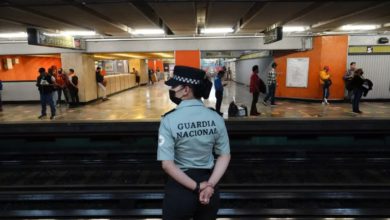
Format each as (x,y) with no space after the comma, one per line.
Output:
(254,89)
(60,85)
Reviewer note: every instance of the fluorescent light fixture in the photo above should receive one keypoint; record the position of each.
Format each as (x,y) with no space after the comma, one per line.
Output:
(359,27)
(294,28)
(103,57)
(13,35)
(164,55)
(79,33)
(128,55)
(146,31)
(216,30)
(72,33)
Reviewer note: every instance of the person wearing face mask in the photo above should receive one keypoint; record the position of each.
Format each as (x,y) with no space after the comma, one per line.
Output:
(188,137)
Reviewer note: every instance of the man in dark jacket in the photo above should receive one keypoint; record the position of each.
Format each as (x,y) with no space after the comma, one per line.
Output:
(357,86)
(45,84)
(73,88)
(254,88)
(348,79)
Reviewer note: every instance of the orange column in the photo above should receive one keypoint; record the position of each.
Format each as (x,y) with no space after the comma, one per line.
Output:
(327,50)
(152,65)
(187,58)
(160,65)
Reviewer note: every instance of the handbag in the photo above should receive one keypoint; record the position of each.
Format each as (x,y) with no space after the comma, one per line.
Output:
(327,82)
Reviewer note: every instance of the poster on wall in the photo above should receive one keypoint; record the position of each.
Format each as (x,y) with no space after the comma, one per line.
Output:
(109,66)
(297,72)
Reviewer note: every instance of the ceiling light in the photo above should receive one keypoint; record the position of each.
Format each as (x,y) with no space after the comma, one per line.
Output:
(127,55)
(103,57)
(146,31)
(164,55)
(359,27)
(71,33)
(13,35)
(294,28)
(79,33)
(216,30)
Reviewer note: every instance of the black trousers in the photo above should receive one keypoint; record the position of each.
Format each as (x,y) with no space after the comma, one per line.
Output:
(218,96)
(181,203)
(271,93)
(74,97)
(254,101)
(357,93)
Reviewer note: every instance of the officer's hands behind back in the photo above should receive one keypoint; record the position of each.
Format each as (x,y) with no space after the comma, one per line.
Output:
(206,192)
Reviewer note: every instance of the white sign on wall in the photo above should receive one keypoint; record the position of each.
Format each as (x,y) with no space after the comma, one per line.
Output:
(297,72)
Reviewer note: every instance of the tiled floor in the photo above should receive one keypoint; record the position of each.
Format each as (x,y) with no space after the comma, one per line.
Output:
(150,102)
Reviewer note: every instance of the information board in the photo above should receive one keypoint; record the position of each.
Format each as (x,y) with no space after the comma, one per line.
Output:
(297,72)
(38,37)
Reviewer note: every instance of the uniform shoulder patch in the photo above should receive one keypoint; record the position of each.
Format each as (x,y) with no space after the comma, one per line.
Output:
(167,113)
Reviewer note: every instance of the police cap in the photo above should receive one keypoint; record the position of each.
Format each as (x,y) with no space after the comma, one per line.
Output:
(186,75)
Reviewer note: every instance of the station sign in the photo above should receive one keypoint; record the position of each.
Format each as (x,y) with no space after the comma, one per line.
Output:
(374,49)
(273,34)
(38,37)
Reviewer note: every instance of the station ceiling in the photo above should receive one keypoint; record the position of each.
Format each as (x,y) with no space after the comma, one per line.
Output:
(187,18)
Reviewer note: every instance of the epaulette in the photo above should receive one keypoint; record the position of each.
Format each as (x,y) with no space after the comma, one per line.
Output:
(168,112)
(213,109)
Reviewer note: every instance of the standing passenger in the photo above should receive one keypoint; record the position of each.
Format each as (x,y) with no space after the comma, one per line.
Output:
(137,77)
(73,88)
(60,85)
(326,82)
(219,91)
(357,86)
(229,74)
(45,84)
(188,137)
(271,85)
(101,83)
(254,89)
(348,79)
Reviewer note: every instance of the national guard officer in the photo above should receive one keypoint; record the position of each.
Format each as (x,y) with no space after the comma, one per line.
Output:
(188,136)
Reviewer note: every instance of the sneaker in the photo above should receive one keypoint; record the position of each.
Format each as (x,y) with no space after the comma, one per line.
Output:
(323,103)
(326,101)
(41,116)
(265,103)
(52,117)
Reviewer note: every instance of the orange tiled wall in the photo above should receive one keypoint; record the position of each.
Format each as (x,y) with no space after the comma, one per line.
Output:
(27,69)
(327,50)
(188,58)
(154,64)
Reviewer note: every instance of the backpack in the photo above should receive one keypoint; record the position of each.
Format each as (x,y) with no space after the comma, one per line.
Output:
(233,109)
(262,87)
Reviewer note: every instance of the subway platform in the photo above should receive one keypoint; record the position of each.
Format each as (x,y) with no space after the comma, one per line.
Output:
(148,103)
(298,160)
